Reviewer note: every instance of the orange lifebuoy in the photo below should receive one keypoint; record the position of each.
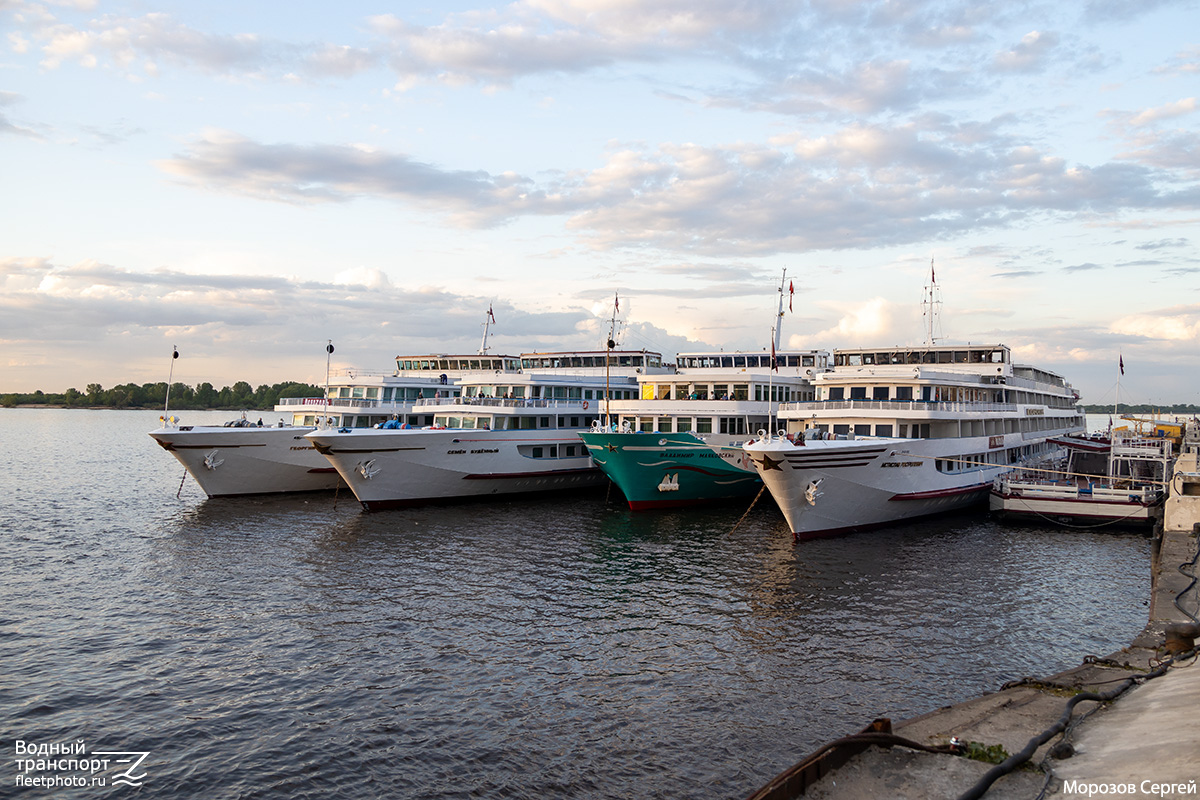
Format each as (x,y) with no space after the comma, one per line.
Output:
(585,405)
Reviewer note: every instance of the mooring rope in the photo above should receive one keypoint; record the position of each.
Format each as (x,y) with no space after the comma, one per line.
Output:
(751,508)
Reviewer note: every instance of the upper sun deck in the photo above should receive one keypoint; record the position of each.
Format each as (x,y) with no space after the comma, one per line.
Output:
(446,363)
(972,357)
(595,362)
(792,361)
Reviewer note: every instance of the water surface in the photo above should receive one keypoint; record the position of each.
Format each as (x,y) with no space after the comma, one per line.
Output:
(559,647)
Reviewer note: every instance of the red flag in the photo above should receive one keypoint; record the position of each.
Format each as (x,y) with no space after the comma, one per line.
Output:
(490,314)
(932,279)
(774,363)
(617,301)
(791,291)
(1121,363)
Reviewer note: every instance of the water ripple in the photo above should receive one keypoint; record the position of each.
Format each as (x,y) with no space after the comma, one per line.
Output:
(560,647)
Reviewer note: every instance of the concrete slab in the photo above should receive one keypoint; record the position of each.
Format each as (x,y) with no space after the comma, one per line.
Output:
(894,774)
(1151,734)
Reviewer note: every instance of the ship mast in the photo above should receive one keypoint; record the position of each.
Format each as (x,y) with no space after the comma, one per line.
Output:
(170,377)
(488,320)
(779,315)
(325,404)
(610,343)
(931,307)
(776,337)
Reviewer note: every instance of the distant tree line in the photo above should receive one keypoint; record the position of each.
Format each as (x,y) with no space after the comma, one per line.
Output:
(1143,408)
(153,395)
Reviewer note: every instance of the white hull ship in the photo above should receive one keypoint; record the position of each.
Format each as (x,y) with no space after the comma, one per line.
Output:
(244,458)
(229,461)
(505,434)
(897,434)
(396,468)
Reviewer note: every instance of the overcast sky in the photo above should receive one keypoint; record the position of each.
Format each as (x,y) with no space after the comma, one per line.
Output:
(245,181)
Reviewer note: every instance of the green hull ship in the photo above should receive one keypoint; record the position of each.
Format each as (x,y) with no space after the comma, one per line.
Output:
(667,470)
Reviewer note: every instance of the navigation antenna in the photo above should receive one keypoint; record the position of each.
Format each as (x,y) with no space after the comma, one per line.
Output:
(490,319)
(931,308)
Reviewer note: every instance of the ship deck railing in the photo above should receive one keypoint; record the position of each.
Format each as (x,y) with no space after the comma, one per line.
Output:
(954,407)
(344,402)
(572,404)
(1069,490)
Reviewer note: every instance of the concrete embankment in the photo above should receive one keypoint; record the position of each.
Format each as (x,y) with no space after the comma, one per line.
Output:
(1125,725)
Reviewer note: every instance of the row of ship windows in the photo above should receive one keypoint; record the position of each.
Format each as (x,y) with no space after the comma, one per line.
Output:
(523,423)
(530,362)
(904,394)
(405,394)
(858,359)
(731,425)
(389,394)
(917,431)
(942,394)
(953,428)
(651,360)
(748,361)
(722,391)
(441,364)
(547,393)
(552,451)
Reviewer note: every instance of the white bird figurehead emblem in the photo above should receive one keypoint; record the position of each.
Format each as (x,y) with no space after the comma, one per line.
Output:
(211,461)
(811,493)
(367,469)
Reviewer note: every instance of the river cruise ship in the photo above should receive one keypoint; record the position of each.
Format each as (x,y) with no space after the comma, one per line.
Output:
(248,456)
(900,433)
(504,434)
(680,441)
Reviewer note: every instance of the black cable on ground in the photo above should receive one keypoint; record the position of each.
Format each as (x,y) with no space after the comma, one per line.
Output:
(1192,574)
(1017,759)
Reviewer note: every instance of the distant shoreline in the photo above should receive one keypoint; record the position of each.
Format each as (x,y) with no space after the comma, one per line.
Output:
(60,406)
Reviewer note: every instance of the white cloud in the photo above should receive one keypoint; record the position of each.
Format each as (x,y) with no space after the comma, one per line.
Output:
(1174,325)
(1167,111)
(368,277)
(1029,54)
(866,323)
